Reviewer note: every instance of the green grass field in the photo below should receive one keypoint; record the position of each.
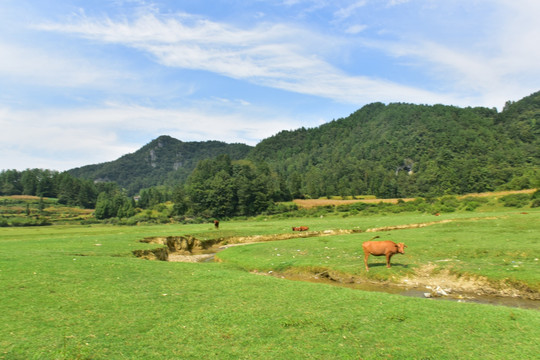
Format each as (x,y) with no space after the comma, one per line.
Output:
(77,292)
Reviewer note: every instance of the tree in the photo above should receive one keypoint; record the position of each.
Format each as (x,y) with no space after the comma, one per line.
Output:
(104,207)
(29,182)
(180,201)
(222,188)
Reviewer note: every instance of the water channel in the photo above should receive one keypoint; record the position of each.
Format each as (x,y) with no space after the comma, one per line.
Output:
(417,292)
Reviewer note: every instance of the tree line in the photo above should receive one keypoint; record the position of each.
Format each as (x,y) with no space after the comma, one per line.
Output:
(217,188)
(49,183)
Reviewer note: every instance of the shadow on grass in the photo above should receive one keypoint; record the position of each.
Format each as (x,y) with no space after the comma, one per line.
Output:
(383,264)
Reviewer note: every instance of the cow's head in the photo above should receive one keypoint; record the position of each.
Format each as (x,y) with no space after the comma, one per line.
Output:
(401,248)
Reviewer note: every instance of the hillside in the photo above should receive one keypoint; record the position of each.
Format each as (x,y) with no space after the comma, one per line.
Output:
(164,160)
(401,150)
(394,150)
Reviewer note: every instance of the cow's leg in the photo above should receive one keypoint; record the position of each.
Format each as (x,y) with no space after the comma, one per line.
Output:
(366,255)
(388,257)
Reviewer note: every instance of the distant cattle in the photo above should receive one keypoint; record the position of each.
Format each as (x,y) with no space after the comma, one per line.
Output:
(216,224)
(379,248)
(300,228)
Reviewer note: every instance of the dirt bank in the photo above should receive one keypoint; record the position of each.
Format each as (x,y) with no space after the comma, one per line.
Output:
(428,280)
(180,248)
(177,248)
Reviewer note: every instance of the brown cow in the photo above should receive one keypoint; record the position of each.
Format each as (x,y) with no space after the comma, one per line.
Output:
(380,248)
(300,228)
(216,224)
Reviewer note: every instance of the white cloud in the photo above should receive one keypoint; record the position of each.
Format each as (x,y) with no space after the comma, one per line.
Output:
(266,55)
(355,29)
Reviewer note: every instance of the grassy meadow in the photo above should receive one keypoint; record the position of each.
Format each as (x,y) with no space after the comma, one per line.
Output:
(77,292)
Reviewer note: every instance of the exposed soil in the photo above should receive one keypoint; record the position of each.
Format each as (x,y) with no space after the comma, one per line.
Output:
(431,277)
(178,248)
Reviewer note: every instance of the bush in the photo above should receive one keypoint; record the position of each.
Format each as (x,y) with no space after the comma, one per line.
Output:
(279,208)
(30,222)
(471,205)
(515,200)
(450,202)
(90,221)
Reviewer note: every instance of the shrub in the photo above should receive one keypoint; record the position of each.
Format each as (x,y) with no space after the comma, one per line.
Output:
(471,205)
(90,221)
(515,200)
(450,201)
(30,222)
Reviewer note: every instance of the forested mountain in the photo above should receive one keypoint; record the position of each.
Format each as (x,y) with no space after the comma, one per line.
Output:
(394,150)
(400,150)
(163,161)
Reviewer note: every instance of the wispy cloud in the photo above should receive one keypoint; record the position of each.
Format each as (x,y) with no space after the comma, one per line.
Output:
(349,10)
(484,71)
(265,55)
(355,29)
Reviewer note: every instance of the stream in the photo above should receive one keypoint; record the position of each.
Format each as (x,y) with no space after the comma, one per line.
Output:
(417,292)
(421,292)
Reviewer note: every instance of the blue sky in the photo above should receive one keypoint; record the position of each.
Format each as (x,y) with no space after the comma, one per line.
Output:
(86,81)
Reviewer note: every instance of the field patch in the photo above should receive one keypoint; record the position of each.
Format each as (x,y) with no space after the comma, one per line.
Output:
(311,203)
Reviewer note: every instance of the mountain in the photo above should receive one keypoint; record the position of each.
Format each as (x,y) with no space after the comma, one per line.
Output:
(399,150)
(163,161)
(393,150)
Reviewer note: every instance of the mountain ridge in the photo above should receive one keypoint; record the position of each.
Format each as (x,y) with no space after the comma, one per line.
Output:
(442,148)
(162,161)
